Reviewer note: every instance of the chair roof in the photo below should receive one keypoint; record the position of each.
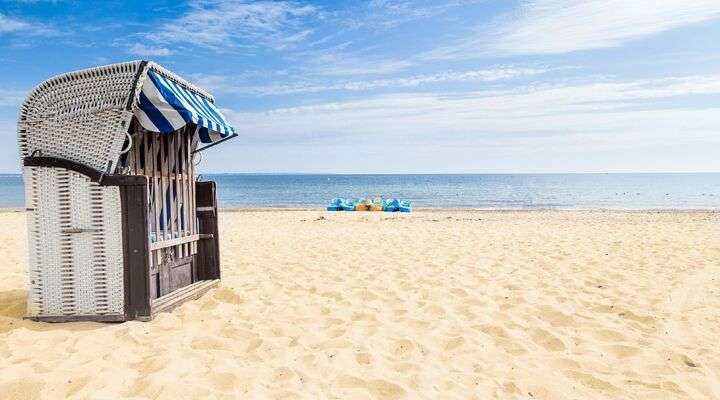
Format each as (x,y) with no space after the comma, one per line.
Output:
(84,115)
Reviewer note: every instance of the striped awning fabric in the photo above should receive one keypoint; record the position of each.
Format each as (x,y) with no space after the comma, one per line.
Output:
(165,106)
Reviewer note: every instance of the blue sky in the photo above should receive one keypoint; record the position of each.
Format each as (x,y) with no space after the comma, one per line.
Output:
(407,86)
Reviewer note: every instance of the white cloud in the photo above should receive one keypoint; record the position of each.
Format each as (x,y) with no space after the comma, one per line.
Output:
(223,85)
(558,26)
(601,113)
(391,13)
(219,24)
(11,98)
(562,26)
(140,49)
(339,64)
(8,24)
(15,25)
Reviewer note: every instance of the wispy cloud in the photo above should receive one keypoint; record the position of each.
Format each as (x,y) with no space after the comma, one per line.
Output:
(140,49)
(220,84)
(562,26)
(15,25)
(8,24)
(609,112)
(558,26)
(348,64)
(391,13)
(11,98)
(223,24)
(341,59)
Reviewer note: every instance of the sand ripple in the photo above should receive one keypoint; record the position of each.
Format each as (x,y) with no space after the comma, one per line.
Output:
(441,305)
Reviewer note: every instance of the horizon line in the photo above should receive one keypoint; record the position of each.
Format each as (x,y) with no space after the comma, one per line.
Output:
(445,173)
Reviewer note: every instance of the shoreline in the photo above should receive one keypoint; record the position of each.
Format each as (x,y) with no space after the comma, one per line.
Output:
(451,210)
(483,210)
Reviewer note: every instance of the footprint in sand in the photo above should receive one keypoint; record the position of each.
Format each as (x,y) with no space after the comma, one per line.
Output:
(363,358)
(336,333)
(607,335)
(591,381)
(493,330)
(223,381)
(208,304)
(546,340)
(381,389)
(282,375)
(645,320)
(26,389)
(435,310)
(209,343)
(623,351)
(402,348)
(502,339)
(453,343)
(150,365)
(367,295)
(76,384)
(227,295)
(554,316)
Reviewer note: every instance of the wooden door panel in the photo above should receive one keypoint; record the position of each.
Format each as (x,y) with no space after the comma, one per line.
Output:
(180,275)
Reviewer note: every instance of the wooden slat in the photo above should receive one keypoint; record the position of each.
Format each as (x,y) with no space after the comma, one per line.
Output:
(163,179)
(193,217)
(171,184)
(156,184)
(82,318)
(208,253)
(133,201)
(174,242)
(166,161)
(174,299)
(136,152)
(177,139)
(147,167)
(183,186)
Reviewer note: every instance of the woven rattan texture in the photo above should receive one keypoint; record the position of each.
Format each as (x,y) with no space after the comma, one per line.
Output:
(73,273)
(79,116)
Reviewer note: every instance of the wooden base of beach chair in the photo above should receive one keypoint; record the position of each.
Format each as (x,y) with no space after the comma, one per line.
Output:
(174,299)
(148,286)
(78,318)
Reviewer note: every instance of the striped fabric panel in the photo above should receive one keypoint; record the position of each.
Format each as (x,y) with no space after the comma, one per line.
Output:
(165,106)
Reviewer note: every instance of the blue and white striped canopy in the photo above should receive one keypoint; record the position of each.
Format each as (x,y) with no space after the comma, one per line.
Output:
(165,106)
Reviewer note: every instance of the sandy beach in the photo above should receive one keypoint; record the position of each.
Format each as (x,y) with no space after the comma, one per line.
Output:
(430,305)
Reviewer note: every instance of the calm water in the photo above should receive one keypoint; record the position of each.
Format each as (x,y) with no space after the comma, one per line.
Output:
(476,191)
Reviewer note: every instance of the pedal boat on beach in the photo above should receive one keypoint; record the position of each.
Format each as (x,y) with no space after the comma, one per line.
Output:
(377,204)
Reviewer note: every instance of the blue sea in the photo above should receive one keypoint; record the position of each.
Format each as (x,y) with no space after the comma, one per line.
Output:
(491,191)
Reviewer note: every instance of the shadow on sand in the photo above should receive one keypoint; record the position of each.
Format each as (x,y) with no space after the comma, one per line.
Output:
(13,306)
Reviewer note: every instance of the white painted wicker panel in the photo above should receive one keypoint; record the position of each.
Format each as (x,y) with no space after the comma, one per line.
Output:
(73,273)
(94,140)
(79,116)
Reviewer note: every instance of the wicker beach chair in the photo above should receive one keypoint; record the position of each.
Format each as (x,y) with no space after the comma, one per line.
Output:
(119,227)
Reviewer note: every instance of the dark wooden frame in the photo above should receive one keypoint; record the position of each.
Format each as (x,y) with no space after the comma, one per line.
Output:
(136,262)
(138,302)
(208,255)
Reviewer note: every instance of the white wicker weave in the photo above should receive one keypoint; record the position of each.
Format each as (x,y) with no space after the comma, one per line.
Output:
(79,116)
(83,117)
(73,273)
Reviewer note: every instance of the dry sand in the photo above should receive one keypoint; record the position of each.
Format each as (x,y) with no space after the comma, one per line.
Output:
(432,305)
